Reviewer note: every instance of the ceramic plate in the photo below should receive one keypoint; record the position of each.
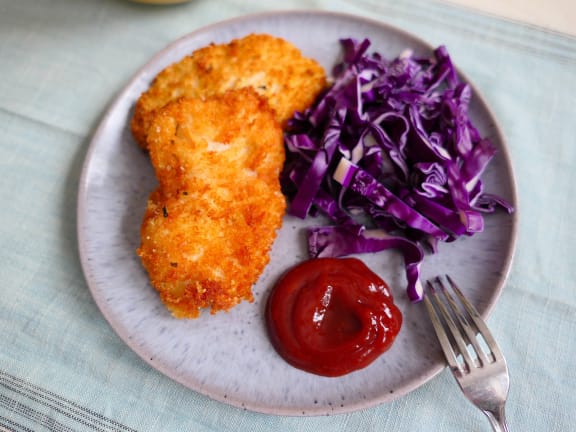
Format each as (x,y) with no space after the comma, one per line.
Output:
(228,356)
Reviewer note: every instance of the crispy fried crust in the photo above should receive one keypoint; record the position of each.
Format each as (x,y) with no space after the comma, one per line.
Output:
(209,226)
(272,66)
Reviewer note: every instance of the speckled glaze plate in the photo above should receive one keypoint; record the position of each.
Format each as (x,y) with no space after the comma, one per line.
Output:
(228,356)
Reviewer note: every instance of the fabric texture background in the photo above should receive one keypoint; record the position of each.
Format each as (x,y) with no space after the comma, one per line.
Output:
(63,62)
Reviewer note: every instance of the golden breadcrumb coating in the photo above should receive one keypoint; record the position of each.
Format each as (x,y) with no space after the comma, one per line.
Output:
(209,226)
(272,66)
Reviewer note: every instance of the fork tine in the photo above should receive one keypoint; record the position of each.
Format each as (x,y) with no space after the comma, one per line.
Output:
(467,319)
(478,321)
(439,329)
(453,345)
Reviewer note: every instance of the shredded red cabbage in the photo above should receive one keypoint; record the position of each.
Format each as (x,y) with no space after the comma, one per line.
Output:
(389,144)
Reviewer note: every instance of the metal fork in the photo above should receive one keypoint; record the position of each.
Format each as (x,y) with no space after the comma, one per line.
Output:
(470,350)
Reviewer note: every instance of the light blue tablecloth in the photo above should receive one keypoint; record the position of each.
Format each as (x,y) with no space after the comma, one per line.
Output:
(62,63)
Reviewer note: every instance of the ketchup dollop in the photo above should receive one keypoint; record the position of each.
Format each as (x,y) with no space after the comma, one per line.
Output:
(331,316)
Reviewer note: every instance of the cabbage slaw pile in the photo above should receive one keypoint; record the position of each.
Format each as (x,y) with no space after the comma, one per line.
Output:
(389,154)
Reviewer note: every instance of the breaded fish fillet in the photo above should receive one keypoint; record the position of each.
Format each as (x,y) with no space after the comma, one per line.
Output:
(275,68)
(209,226)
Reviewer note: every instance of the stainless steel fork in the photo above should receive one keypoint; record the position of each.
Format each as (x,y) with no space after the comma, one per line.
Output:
(470,350)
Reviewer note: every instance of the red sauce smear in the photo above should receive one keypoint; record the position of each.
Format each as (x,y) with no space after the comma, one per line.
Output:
(331,316)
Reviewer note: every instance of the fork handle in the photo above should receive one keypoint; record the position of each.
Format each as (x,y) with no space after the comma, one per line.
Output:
(497,420)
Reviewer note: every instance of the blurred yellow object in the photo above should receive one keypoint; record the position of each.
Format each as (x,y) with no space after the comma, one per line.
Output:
(160,1)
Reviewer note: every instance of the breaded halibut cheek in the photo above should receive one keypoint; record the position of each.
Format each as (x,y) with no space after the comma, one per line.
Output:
(273,67)
(210,224)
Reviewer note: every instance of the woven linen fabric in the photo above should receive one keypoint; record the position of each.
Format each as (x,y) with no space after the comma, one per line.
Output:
(62,367)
